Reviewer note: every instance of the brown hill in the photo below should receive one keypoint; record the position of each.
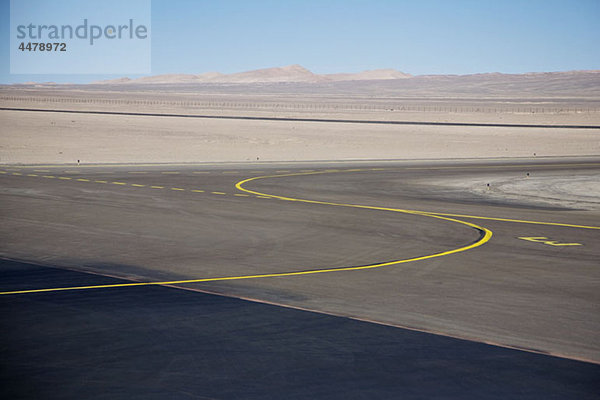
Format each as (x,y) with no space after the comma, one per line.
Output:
(290,73)
(383,82)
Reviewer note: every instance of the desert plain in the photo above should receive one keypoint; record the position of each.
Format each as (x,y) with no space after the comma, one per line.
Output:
(563,98)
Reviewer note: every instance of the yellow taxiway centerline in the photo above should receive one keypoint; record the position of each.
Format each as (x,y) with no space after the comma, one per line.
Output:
(487,234)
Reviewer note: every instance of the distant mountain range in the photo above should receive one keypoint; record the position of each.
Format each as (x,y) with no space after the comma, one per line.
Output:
(295,79)
(290,73)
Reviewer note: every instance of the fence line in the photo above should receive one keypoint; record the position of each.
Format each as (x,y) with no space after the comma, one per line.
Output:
(392,107)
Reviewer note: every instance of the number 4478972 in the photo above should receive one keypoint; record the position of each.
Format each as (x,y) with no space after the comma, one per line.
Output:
(34,46)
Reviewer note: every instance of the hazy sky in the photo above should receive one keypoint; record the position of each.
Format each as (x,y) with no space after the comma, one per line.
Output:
(326,36)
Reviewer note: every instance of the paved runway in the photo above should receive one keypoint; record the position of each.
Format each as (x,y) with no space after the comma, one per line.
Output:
(372,241)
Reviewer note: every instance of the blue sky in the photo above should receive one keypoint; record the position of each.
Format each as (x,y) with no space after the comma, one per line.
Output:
(326,36)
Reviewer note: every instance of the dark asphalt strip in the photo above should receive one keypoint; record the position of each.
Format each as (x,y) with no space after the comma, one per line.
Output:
(159,342)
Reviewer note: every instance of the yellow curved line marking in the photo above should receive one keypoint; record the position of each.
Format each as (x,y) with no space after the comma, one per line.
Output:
(486,237)
(520,221)
(240,184)
(487,234)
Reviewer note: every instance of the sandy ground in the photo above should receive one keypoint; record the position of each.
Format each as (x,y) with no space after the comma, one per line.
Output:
(293,102)
(34,137)
(386,112)
(580,192)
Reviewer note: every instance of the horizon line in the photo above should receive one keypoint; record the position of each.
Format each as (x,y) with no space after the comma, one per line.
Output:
(325,75)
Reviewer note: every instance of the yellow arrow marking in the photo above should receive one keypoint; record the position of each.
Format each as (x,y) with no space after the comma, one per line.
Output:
(545,240)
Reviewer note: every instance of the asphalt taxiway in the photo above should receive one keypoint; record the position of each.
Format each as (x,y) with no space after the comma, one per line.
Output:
(367,280)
